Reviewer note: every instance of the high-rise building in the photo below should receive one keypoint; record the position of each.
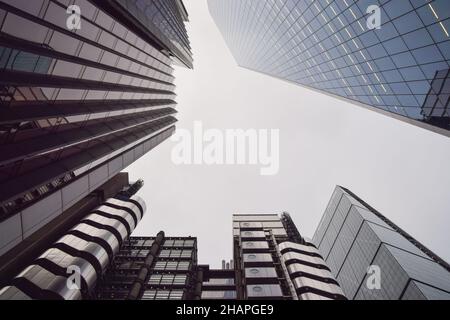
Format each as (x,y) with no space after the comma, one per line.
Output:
(373,258)
(218,284)
(30,248)
(338,48)
(272,261)
(71,267)
(360,254)
(85,91)
(437,101)
(152,268)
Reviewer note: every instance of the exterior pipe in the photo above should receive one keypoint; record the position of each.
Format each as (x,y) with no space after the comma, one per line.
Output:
(137,288)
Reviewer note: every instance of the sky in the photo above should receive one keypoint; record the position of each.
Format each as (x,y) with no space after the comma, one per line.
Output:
(401,170)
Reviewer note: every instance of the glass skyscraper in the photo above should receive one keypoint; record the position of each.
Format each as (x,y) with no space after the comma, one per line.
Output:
(363,247)
(80,101)
(399,69)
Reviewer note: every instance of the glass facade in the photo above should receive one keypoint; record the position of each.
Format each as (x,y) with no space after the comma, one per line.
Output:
(400,68)
(354,239)
(165,19)
(78,106)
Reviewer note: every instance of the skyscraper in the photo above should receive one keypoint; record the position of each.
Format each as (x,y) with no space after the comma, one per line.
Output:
(398,67)
(71,267)
(152,268)
(85,91)
(360,254)
(34,245)
(273,261)
(372,258)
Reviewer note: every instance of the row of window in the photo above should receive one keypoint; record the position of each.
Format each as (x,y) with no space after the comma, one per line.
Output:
(172,265)
(167,279)
(147,242)
(165,253)
(162,294)
(179,243)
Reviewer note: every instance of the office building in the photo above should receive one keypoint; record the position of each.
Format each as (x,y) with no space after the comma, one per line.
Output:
(81,98)
(356,253)
(164,268)
(71,267)
(437,101)
(338,48)
(273,261)
(33,246)
(218,284)
(152,268)
(372,258)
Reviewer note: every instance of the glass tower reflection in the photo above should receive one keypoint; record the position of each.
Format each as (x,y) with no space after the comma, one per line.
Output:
(328,46)
(363,247)
(78,106)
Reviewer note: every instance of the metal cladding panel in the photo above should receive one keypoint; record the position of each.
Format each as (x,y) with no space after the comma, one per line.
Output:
(66,261)
(253,234)
(296,246)
(89,247)
(259,291)
(293,256)
(13,293)
(331,288)
(141,202)
(35,217)
(255,217)
(100,233)
(115,224)
(355,240)
(256,272)
(250,225)
(419,291)
(257,257)
(46,280)
(119,213)
(255,245)
(312,296)
(10,233)
(129,205)
(302,268)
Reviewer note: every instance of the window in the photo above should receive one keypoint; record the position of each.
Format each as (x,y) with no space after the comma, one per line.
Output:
(162,295)
(220,281)
(221,294)
(172,265)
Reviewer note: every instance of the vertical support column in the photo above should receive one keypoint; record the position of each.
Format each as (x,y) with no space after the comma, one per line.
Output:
(137,288)
(198,285)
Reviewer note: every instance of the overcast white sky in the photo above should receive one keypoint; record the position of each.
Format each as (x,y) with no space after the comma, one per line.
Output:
(401,170)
